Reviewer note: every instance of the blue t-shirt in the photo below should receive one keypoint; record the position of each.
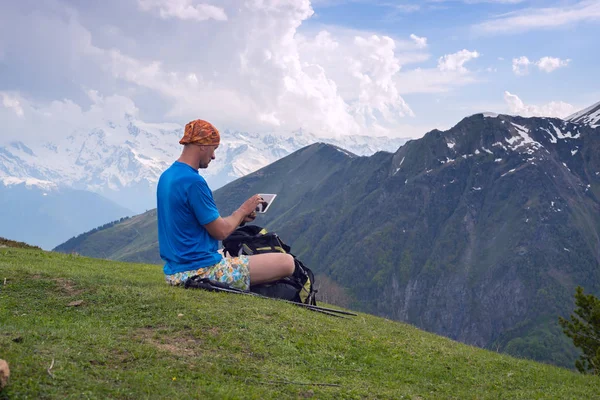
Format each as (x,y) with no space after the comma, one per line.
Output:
(184,204)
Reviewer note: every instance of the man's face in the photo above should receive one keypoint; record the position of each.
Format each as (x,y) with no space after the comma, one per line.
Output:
(207,155)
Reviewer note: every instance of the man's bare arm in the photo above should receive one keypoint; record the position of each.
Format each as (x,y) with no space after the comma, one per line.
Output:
(221,228)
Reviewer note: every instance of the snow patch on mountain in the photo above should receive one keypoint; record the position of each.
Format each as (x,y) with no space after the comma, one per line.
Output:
(588,116)
(561,135)
(490,115)
(11,181)
(523,137)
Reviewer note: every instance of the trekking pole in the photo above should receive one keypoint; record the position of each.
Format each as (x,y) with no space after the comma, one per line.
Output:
(311,307)
(324,310)
(216,287)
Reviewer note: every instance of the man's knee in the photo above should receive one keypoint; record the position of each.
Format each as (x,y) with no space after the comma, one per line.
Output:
(290,265)
(285,263)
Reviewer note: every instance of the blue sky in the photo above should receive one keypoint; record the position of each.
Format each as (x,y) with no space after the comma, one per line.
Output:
(334,67)
(454,25)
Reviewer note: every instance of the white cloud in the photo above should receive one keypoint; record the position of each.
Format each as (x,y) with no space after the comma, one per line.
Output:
(520,66)
(421,42)
(56,119)
(456,61)
(549,64)
(12,102)
(557,109)
(378,91)
(260,70)
(184,9)
(254,72)
(331,85)
(542,18)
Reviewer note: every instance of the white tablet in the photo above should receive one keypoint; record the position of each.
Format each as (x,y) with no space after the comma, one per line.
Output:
(268,200)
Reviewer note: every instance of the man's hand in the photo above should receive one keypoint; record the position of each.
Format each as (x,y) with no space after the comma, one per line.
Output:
(250,218)
(249,206)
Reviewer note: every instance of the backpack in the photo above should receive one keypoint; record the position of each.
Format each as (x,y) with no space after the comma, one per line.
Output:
(252,239)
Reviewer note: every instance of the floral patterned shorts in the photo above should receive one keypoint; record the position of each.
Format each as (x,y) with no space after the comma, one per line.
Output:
(232,271)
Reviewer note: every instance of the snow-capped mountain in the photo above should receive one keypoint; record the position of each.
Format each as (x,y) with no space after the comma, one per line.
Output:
(589,116)
(514,143)
(124,161)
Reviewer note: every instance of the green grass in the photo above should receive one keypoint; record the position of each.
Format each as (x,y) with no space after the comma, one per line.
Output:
(133,337)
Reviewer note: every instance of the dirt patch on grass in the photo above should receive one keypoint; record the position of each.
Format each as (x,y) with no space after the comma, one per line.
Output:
(68,287)
(180,344)
(214,331)
(122,356)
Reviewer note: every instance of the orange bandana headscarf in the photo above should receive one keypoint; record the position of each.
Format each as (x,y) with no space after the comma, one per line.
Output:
(200,132)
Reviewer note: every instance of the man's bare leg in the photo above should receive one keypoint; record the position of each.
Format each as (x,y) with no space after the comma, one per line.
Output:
(269,267)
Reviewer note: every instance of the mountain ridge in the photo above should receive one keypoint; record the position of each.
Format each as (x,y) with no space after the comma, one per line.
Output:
(589,116)
(123,162)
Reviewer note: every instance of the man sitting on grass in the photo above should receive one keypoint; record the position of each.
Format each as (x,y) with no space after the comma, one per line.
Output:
(190,226)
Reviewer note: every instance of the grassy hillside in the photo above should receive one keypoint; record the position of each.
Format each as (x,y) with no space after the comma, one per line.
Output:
(74,327)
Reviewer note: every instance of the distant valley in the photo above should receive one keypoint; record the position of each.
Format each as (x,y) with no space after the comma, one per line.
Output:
(48,217)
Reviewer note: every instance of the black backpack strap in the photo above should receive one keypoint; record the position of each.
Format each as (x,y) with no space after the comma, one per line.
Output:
(196,282)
